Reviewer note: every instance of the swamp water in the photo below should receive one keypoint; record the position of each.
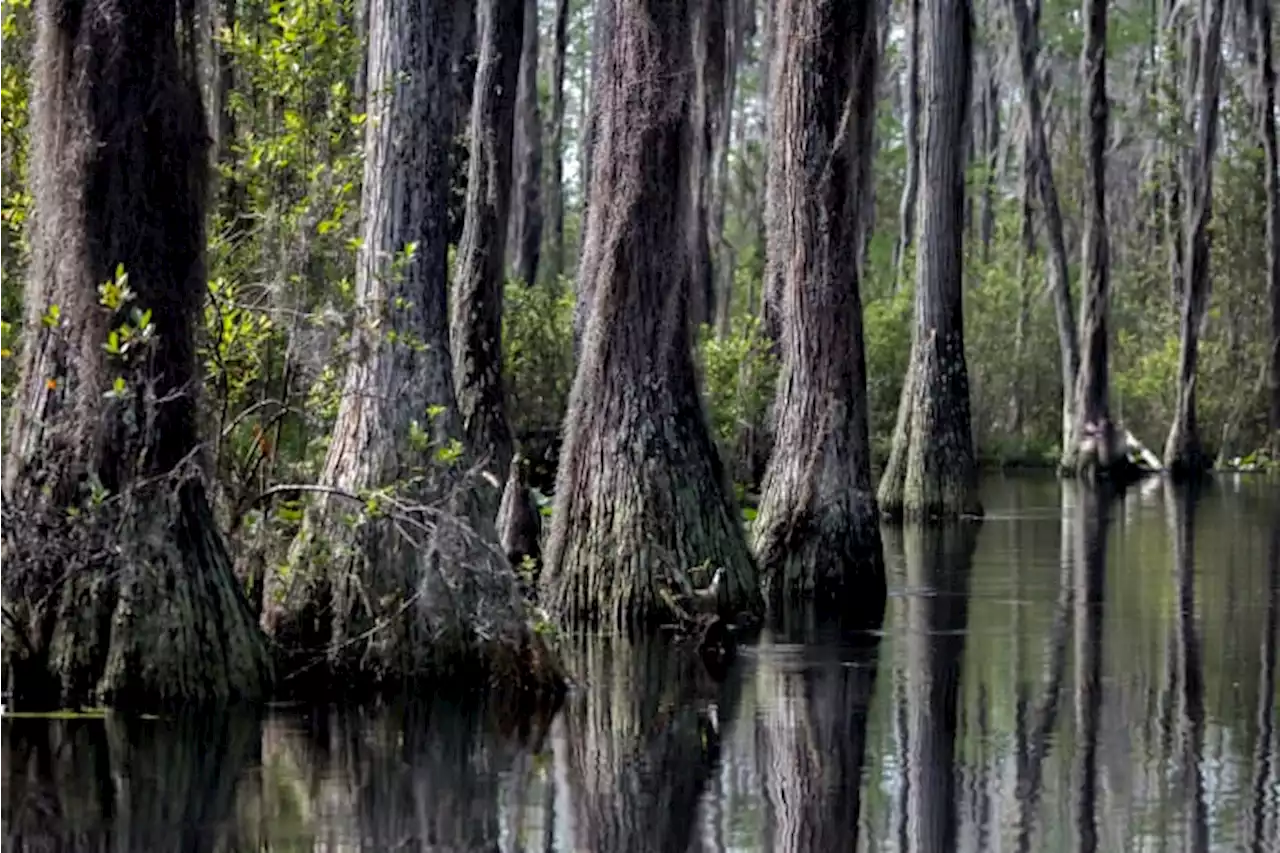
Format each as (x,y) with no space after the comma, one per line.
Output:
(1068,676)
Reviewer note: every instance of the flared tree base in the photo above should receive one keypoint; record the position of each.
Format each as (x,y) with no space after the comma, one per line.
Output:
(131,604)
(408,600)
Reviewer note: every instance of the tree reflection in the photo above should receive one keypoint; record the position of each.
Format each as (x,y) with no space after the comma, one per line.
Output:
(1090,547)
(641,739)
(411,777)
(1262,759)
(1181,504)
(812,728)
(127,785)
(938,562)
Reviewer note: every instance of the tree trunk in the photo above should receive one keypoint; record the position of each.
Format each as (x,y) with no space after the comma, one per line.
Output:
(706,110)
(1174,145)
(1267,132)
(1026,25)
(554,195)
(931,471)
(939,560)
(117,587)
(1091,448)
(1026,253)
(640,497)
(911,132)
(404,589)
(721,130)
(818,531)
(813,732)
(1184,456)
(602,27)
(475,331)
(991,155)
(524,227)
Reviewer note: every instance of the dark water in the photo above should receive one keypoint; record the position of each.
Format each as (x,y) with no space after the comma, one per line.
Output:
(1074,677)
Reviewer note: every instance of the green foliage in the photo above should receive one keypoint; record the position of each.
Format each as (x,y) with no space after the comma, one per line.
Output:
(537,343)
(739,373)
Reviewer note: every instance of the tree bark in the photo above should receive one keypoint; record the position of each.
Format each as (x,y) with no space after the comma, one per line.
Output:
(524,227)
(721,131)
(475,332)
(1267,133)
(1091,449)
(117,587)
(932,473)
(1025,255)
(404,590)
(640,496)
(1184,455)
(705,115)
(818,530)
(911,132)
(1026,26)
(554,195)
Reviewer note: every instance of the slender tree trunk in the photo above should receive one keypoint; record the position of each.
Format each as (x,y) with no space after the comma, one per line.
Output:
(991,155)
(911,131)
(1026,26)
(1025,255)
(524,226)
(554,194)
(818,531)
(1174,146)
(1091,450)
(475,331)
(400,594)
(117,587)
(1184,456)
(932,471)
(705,109)
(640,497)
(721,136)
(1267,132)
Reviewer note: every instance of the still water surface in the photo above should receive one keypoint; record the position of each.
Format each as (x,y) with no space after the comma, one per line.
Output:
(1070,676)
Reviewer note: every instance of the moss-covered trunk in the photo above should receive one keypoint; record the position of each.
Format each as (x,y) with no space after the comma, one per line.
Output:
(818,530)
(476,300)
(117,585)
(640,498)
(931,473)
(395,575)
(1184,454)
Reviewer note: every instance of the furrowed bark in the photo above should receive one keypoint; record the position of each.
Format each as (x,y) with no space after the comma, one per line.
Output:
(1184,455)
(405,583)
(640,496)
(117,587)
(818,531)
(554,195)
(931,473)
(524,225)
(475,332)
